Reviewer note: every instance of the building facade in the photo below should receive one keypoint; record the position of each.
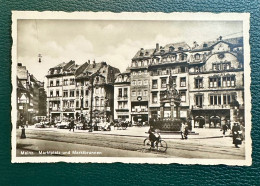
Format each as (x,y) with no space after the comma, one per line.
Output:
(73,91)
(30,96)
(122,103)
(208,77)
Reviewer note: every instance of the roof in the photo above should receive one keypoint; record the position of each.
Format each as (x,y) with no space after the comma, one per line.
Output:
(208,44)
(144,53)
(21,72)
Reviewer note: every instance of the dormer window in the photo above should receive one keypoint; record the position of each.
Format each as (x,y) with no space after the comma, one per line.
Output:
(141,53)
(205,45)
(171,48)
(197,56)
(146,53)
(183,57)
(162,51)
(180,48)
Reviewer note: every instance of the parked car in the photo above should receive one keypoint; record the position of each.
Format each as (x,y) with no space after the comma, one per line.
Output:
(63,125)
(42,124)
(104,126)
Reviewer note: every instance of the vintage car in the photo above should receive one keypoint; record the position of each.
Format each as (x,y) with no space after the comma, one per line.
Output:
(104,126)
(63,125)
(42,124)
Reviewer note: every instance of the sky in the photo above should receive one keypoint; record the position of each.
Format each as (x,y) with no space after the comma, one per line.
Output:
(115,42)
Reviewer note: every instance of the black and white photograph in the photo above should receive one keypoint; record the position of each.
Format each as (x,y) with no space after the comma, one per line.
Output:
(131,87)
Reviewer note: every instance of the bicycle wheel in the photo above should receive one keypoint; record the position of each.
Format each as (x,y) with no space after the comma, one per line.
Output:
(162,146)
(147,143)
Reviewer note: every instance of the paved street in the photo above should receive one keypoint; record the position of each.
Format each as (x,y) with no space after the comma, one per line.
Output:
(205,143)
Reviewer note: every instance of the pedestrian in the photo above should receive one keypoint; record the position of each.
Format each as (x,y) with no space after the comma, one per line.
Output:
(236,135)
(182,130)
(23,136)
(186,131)
(224,128)
(72,124)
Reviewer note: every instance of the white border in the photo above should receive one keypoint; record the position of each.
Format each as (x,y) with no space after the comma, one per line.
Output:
(137,16)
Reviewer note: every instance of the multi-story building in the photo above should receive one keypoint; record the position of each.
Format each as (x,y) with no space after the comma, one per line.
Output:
(170,60)
(69,91)
(216,82)
(94,89)
(122,103)
(208,77)
(61,91)
(140,87)
(29,95)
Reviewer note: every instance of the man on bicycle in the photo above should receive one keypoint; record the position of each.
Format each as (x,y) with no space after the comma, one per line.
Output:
(152,136)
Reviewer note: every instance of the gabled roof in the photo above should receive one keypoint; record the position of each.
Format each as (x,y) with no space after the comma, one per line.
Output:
(144,53)
(21,72)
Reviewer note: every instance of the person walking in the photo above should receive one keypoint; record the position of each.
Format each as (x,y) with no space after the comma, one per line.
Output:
(182,130)
(224,128)
(72,124)
(236,135)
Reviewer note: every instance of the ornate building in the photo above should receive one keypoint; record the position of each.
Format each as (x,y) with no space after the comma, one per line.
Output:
(208,77)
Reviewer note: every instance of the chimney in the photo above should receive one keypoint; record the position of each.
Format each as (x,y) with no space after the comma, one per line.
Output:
(157,46)
(94,64)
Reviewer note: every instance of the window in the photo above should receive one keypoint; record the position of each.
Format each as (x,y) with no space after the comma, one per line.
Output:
(183,96)
(102,102)
(163,82)
(57,83)
(72,93)
(145,93)
(97,90)
(139,93)
(86,103)
(72,81)
(65,82)
(77,93)
(154,97)
(57,93)
(71,104)
(139,72)
(199,100)
(125,92)
(183,81)
(51,83)
(102,90)
(226,99)
(197,56)
(134,73)
(86,92)
(51,93)
(145,82)
(133,82)
(215,100)
(199,83)
(229,81)
(77,104)
(226,66)
(97,102)
(120,92)
(133,93)
(214,82)
(183,69)
(183,57)
(65,93)
(154,83)
(139,82)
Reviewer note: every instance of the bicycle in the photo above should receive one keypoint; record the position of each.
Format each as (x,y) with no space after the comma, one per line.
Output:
(160,144)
